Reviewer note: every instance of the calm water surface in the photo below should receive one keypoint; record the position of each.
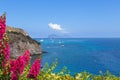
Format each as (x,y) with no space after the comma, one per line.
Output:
(92,55)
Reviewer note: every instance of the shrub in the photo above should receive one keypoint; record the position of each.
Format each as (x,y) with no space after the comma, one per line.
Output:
(14,69)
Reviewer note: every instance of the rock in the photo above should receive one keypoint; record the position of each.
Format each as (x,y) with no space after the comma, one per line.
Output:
(20,41)
(44,52)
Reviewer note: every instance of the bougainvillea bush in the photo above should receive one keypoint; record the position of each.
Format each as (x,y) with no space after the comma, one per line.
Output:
(15,69)
(20,69)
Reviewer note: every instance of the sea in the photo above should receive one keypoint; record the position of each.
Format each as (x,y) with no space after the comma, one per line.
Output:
(94,55)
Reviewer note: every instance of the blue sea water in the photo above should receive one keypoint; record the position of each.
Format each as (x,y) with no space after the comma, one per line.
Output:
(83,54)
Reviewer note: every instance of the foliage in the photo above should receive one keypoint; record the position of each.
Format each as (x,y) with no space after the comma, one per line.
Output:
(20,69)
(47,73)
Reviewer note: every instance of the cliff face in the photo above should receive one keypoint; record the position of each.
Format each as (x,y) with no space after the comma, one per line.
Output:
(20,41)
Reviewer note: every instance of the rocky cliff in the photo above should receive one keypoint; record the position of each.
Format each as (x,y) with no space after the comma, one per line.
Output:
(20,41)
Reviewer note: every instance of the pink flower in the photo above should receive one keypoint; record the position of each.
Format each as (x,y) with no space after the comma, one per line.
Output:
(14,69)
(2,27)
(4,46)
(26,57)
(21,64)
(35,68)
(6,51)
(17,66)
(14,77)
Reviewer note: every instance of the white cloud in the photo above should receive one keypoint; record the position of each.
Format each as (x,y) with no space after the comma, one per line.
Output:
(55,26)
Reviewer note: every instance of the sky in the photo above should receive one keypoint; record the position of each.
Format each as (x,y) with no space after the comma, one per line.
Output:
(64,18)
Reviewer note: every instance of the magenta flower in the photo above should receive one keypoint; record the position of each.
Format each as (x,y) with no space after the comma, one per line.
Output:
(2,27)
(14,69)
(35,68)
(14,77)
(26,57)
(21,64)
(17,66)
(6,51)
(4,46)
